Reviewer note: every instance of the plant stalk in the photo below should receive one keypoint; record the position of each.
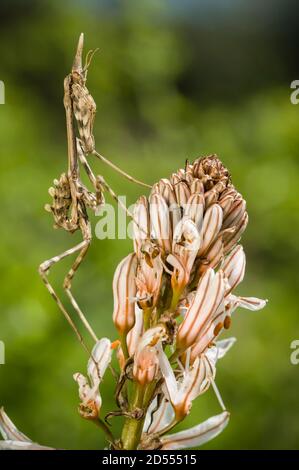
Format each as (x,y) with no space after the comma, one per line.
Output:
(132,429)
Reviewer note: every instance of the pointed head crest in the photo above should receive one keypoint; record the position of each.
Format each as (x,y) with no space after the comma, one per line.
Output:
(77,64)
(77,67)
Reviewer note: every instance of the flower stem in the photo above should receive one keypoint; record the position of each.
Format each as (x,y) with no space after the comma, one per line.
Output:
(123,342)
(176,294)
(133,427)
(104,428)
(147,313)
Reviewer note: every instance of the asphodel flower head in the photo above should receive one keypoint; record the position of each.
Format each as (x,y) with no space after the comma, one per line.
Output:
(190,222)
(173,297)
(89,393)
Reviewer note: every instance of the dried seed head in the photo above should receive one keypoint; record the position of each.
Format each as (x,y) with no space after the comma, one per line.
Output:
(211,169)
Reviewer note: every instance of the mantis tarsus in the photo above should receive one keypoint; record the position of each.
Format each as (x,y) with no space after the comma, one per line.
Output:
(71,198)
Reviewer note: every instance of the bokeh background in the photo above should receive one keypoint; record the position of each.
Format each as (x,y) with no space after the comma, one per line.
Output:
(173,80)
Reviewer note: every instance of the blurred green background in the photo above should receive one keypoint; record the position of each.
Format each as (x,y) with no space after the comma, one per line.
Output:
(173,80)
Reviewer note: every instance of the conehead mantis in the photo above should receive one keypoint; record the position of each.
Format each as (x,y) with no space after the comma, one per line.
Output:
(71,198)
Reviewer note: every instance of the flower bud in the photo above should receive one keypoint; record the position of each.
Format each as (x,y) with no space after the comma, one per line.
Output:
(230,239)
(140,223)
(145,365)
(208,297)
(211,226)
(234,267)
(160,222)
(124,293)
(89,394)
(149,276)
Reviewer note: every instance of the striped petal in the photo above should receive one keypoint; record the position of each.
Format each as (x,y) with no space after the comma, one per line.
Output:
(209,295)
(212,223)
(234,267)
(135,333)
(152,337)
(231,239)
(195,209)
(13,438)
(158,416)
(198,435)
(145,365)
(182,193)
(160,222)
(9,430)
(235,214)
(21,445)
(250,303)
(99,361)
(140,223)
(224,346)
(124,293)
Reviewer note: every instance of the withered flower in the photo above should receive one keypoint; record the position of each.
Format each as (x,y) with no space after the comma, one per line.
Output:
(89,393)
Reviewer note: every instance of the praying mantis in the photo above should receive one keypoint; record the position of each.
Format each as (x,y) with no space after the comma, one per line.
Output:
(71,198)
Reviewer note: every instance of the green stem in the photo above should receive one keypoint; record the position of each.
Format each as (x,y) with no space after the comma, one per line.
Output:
(174,356)
(124,347)
(147,313)
(176,294)
(132,429)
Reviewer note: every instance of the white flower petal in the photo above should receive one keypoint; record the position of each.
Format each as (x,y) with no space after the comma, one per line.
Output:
(22,445)
(230,239)
(168,374)
(252,303)
(13,438)
(160,222)
(224,346)
(211,226)
(9,430)
(140,223)
(100,360)
(195,209)
(135,333)
(234,267)
(209,295)
(152,336)
(198,435)
(84,388)
(124,293)
(158,418)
